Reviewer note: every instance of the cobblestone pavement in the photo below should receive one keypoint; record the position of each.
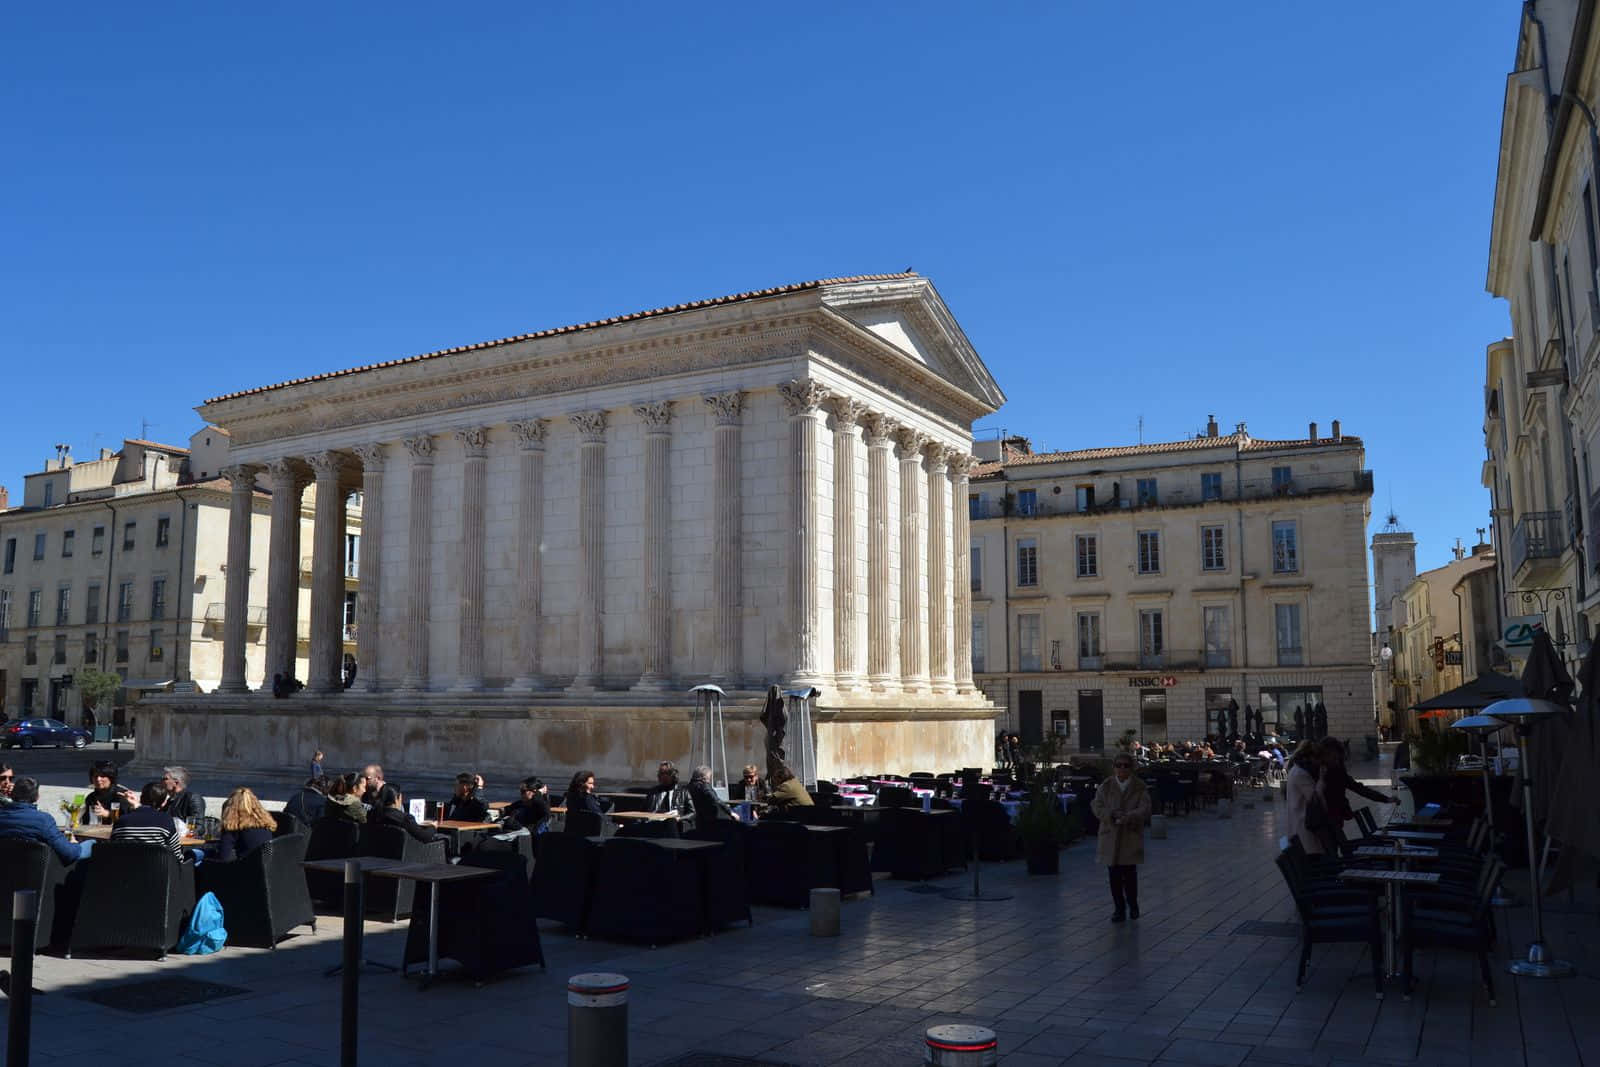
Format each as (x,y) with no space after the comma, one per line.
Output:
(1045,969)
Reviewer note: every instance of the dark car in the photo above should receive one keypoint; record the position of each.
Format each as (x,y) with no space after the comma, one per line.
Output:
(27,733)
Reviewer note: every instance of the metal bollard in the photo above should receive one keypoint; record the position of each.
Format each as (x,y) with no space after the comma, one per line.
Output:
(958,1045)
(1158,827)
(824,913)
(353,908)
(597,1020)
(19,1023)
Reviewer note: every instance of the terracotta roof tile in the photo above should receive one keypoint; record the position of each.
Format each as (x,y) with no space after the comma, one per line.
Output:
(692,305)
(157,445)
(1014,458)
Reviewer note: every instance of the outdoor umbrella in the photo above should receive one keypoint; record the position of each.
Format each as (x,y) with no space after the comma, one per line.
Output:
(1319,720)
(1571,820)
(1233,716)
(1299,723)
(1253,716)
(1482,691)
(1545,678)
(1222,722)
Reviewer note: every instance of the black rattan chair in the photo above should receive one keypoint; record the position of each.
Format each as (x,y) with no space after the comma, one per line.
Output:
(135,896)
(1322,924)
(486,925)
(644,892)
(390,899)
(330,839)
(563,874)
(263,893)
(30,865)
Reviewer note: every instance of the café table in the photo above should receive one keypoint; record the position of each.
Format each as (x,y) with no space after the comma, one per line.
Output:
(456,829)
(434,874)
(1411,835)
(1393,881)
(642,816)
(102,832)
(366,864)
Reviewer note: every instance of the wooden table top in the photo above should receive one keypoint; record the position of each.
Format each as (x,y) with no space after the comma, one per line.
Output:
(499,805)
(459,824)
(103,833)
(642,816)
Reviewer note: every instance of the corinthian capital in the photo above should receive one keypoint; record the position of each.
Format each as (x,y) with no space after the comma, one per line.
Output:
(475,440)
(726,408)
(962,464)
(530,433)
(803,396)
(657,415)
(591,425)
(421,448)
(241,473)
(878,428)
(327,464)
(938,456)
(910,442)
(847,411)
(371,457)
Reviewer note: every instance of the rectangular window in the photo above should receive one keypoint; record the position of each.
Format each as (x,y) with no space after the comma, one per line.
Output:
(1152,639)
(1149,551)
(38,546)
(1088,556)
(35,606)
(11,554)
(158,598)
(1282,479)
(49,493)
(91,606)
(67,539)
(1085,498)
(1028,502)
(30,650)
(1211,486)
(30,689)
(63,605)
(122,646)
(155,646)
(127,534)
(1091,656)
(163,531)
(1213,548)
(97,541)
(60,651)
(91,647)
(5,614)
(1219,636)
(124,601)
(980,645)
(974,506)
(1287,620)
(1027,562)
(1148,497)
(976,569)
(1028,635)
(1285,548)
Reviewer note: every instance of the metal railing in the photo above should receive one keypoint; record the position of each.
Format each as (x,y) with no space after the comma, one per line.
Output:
(1170,659)
(217,614)
(1537,536)
(1188,494)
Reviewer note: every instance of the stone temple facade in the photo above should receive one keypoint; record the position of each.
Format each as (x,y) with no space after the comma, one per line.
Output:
(565,531)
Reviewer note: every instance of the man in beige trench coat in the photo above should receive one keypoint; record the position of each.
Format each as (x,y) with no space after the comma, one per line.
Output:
(1122,804)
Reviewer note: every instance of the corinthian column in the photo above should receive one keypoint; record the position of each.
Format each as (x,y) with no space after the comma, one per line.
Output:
(727,625)
(881,673)
(657,575)
(938,590)
(419,561)
(846,631)
(474,499)
(286,483)
(326,660)
(591,550)
(961,552)
(803,398)
(236,607)
(530,550)
(913,670)
(368,593)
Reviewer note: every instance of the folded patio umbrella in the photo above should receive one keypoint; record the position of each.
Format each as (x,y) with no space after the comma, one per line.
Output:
(1320,720)
(1571,819)
(1299,723)
(1482,691)
(1545,678)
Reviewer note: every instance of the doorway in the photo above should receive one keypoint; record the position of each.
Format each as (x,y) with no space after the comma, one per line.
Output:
(1153,715)
(56,689)
(1030,716)
(1091,721)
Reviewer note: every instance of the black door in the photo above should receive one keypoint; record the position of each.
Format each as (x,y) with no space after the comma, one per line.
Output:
(55,710)
(1091,721)
(1030,716)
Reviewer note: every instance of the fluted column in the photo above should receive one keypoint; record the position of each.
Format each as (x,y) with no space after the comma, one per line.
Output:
(591,550)
(847,663)
(938,589)
(326,658)
(236,608)
(881,668)
(657,574)
(726,608)
(286,483)
(913,669)
(368,567)
(474,500)
(419,561)
(961,554)
(530,550)
(803,398)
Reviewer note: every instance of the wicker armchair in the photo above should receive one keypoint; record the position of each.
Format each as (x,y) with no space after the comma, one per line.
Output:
(263,893)
(391,898)
(30,865)
(136,895)
(330,839)
(563,875)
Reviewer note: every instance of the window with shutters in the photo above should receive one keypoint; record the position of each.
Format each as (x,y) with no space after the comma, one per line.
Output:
(1027,562)
(1149,551)
(1213,548)
(1088,556)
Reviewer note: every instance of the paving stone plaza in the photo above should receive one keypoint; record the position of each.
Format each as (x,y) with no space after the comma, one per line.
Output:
(1045,970)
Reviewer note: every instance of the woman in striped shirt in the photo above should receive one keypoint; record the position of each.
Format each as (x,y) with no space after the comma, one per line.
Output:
(148,823)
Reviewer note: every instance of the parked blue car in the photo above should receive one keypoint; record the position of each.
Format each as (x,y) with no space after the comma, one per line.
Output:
(28,733)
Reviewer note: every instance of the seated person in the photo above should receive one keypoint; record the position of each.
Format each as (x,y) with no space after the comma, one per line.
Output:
(531,809)
(391,811)
(308,803)
(344,800)
(708,807)
(22,818)
(148,823)
(463,806)
(787,790)
(179,802)
(246,825)
(105,799)
(668,795)
(369,784)
(7,783)
(749,787)
(580,796)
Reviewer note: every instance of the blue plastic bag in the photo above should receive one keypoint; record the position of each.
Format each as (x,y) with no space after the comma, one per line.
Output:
(205,934)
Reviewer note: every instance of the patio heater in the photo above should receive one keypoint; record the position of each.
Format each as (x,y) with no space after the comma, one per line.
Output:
(1524,713)
(803,752)
(708,743)
(1483,727)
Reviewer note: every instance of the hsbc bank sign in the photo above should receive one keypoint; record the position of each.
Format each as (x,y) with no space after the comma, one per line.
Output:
(1153,681)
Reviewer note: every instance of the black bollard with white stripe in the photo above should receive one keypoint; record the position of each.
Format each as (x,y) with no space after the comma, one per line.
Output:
(959,1045)
(597,1020)
(19,1022)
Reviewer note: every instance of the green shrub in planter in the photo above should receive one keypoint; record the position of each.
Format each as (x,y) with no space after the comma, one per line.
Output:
(1044,830)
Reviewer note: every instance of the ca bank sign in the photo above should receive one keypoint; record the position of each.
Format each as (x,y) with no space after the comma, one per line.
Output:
(1518,630)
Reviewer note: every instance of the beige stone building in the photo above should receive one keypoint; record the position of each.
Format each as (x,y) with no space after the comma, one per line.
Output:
(1144,587)
(564,531)
(1441,630)
(119,563)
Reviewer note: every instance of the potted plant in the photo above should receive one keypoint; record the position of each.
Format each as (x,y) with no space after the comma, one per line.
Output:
(1044,830)
(1434,753)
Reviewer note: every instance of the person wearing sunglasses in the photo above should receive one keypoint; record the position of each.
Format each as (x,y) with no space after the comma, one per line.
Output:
(8,782)
(531,809)
(1122,804)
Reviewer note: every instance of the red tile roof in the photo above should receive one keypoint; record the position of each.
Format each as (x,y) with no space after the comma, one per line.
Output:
(693,305)
(157,445)
(1015,458)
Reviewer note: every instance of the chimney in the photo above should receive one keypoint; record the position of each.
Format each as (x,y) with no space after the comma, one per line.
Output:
(5,498)
(1241,430)
(1313,433)
(1211,426)
(1336,436)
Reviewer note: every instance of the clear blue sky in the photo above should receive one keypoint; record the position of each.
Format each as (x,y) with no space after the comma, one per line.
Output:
(1274,212)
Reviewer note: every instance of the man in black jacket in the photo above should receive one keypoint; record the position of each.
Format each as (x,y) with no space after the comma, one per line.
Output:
(179,802)
(668,795)
(531,809)
(464,805)
(391,811)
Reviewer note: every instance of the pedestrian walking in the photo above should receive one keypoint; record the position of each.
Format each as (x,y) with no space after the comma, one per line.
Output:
(1122,804)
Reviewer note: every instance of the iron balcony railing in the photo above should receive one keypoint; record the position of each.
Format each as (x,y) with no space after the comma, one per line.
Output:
(1537,536)
(1048,504)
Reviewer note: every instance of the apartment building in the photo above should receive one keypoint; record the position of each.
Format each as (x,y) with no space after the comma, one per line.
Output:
(1145,587)
(1441,631)
(119,563)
